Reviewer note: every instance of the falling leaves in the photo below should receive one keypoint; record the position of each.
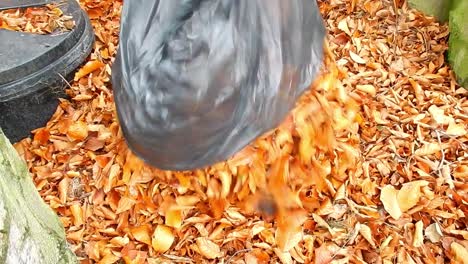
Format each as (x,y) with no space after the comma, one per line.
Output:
(370,166)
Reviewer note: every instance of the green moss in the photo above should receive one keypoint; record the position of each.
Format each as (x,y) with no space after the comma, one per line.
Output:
(458,41)
(437,8)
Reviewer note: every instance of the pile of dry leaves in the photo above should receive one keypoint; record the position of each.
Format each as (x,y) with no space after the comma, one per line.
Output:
(38,20)
(371,166)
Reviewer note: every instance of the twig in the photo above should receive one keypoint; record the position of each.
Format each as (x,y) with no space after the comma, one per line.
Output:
(237,253)
(442,160)
(443,133)
(397,25)
(65,80)
(426,43)
(351,238)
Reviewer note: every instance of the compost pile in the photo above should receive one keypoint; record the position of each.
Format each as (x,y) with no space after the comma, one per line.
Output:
(370,167)
(38,20)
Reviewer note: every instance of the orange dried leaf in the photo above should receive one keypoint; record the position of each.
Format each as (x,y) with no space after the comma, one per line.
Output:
(174,218)
(142,234)
(42,136)
(289,231)
(225,183)
(162,238)
(187,200)
(125,204)
(77,212)
(136,257)
(114,173)
(63,189)
(207,248)
(261,256)
(88,68)
(119,241)
(94,144)
(76,236)
(78,131)
(286,239)
(109,259)
(323,255)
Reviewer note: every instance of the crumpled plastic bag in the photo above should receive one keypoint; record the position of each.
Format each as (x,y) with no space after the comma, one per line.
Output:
(195,81)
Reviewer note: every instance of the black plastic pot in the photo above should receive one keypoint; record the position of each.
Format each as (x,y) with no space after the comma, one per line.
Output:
(34,69)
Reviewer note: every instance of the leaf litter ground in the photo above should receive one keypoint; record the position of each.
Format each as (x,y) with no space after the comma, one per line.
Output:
(38,20)
(370,167)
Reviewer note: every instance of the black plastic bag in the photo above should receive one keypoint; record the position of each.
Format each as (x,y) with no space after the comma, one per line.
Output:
(195,81)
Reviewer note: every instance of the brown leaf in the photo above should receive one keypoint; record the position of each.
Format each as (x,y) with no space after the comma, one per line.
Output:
(428,149)
(356,58)
(366,232)
(78,131)
(323,255)
(77,213)
(94,144)
(207,248)
(109,259)
(63,189)
(125,203)
(42,136)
